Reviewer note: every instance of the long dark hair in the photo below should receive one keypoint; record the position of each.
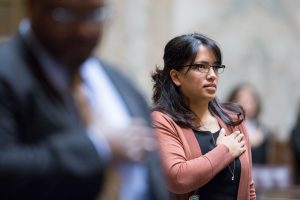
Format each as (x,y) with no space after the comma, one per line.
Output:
(167,97)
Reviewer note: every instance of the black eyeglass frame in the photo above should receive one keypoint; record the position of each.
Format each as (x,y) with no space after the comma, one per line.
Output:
(64,15)
(204,67)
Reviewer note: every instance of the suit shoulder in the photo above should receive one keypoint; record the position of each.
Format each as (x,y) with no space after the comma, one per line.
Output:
(114,73)
(121,81)
(11,56)
(14,72)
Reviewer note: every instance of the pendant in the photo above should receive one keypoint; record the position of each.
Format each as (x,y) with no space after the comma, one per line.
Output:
(232,178)
(194,197)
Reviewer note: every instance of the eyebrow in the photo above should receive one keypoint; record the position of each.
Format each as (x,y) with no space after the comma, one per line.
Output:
(204,62)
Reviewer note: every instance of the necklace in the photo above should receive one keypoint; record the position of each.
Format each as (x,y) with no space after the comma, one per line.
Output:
(228,166)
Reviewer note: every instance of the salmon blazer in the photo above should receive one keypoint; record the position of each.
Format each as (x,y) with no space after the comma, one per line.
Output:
(182,158)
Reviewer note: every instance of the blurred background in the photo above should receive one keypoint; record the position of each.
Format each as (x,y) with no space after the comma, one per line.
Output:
(260,41)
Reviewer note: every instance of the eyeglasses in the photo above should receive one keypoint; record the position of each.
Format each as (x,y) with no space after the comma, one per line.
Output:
(65,15)
(204,67)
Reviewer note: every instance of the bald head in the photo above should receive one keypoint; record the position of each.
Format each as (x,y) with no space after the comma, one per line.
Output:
(68,29)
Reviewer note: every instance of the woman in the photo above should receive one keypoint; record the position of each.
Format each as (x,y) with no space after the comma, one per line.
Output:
(204,145)
(246,96)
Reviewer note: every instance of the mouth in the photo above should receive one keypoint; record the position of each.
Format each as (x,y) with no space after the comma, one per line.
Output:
(211,85)
(211,88)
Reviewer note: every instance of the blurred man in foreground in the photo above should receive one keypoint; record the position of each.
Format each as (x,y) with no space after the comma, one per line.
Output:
(65,116)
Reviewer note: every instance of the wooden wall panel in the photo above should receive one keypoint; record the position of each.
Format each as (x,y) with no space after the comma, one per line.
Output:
(11,11)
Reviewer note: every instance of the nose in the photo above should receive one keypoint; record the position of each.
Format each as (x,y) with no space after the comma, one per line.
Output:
(83,28)
(211,73)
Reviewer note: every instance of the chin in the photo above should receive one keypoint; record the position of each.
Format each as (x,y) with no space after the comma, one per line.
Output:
(211,97)
(74,63)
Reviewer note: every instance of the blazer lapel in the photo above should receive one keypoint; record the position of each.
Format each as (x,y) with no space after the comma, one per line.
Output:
(35,67)
(134,102)
(195,150)
(55,93)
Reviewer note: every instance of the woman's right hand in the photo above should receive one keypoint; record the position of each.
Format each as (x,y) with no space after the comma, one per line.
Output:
(234,142)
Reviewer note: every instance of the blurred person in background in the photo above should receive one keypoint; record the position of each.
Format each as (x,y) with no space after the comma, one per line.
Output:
(260,137)
(295,147)
(203,144)
(66,117)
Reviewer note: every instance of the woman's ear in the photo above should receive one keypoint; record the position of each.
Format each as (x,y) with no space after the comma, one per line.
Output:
(175,76)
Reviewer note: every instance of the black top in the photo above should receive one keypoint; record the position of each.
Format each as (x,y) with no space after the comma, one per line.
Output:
(221,187)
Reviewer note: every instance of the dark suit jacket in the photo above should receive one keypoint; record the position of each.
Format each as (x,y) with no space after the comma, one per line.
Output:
(44,150)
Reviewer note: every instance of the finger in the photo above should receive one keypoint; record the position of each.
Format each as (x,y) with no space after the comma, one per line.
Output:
(240,137)
(242,143)
(149,143)
(243,149)
(135,154)
(236,133)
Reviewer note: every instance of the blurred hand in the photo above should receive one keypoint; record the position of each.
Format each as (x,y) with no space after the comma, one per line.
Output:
(131,143)
(235,142)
